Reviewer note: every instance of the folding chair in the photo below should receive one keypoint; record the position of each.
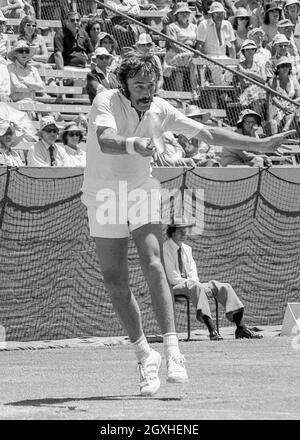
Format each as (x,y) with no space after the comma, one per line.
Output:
(180,298)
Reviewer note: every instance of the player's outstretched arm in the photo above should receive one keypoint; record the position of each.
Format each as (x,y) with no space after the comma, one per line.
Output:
(230,139)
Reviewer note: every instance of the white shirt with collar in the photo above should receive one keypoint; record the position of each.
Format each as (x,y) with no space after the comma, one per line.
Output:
(10,158)
(39,156)
(207,34)
(74,158)
(112,109)
(170,251)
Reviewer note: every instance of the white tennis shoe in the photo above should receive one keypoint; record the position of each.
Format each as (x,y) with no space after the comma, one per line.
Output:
(148,372)
(176,371)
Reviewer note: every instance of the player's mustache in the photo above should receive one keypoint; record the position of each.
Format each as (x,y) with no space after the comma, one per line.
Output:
(145,100)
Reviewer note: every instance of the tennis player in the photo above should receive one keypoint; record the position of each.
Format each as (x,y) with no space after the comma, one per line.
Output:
(123,198)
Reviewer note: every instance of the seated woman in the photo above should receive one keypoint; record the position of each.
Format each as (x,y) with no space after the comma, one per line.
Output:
(28,32)
(281,111)
(100,78)
(177,58)
(240,23)
(4,40)
(72,135)
(8,157)
(273,14)
(109,42)
(25,79)
(251,94)
(93,29)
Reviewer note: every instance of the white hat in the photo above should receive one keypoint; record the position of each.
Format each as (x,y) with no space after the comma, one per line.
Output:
(249,44)
(102,51)
(216,7)
(144,39)
(21,44)
(182,8)
(291,2)
(280,39)
(46,121)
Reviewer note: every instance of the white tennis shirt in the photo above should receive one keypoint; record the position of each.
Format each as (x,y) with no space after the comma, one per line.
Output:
(111,109)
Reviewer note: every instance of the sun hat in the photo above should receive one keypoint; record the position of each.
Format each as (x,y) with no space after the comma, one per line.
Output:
(47,121)
(182,222)
(247,112)
(285,23)
(216,7)
(2,18)
(291,2)
(283,60)
(72,126)
(182,8)
(21,44)
(192,111)
(255,31)
(272,7)
(101,51)
(144,39)
(248,44)
(241,12)
(280,39)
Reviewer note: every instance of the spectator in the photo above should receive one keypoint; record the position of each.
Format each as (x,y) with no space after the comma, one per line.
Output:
(282,112)
(71,136)
(262,55)
(214,37)
(202,154)
(121,28)
(100,78)
(8,157)
(28,32)
(273,14)
(108,41)
(251,93)
(145,46)
(46,152)
(12,8)
(183,31)
(280,48)
(25,79)
(183,277)
(249,124)
(240,23)
(93,29)
(174,155)
(4,40)
(291,11)
(72,45)
(5,89)
(286,27)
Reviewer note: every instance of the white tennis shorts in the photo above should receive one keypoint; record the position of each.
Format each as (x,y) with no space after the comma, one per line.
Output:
(113,214)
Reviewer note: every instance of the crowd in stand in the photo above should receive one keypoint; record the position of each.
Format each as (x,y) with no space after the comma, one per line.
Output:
(263,35)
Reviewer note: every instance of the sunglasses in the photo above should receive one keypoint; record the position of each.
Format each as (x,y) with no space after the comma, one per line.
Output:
(103,57)
(21,51)
(51,130)
(30,25)
(243,18)
(146,44)
(284,65)
(74,133)
(74,20)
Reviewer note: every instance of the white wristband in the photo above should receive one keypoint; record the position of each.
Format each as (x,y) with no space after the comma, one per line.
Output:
(130,145)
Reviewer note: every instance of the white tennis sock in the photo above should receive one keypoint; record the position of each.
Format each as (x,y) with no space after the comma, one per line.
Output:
(141,348)
(171,345)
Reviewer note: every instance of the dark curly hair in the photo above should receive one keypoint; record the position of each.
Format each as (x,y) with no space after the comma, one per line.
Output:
(134,63)
(170,231)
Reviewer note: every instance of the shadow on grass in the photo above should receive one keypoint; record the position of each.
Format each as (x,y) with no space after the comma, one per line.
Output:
(57,401)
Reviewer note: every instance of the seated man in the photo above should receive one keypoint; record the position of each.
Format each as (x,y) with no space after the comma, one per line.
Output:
(248,124)
(72,45)
(182,275)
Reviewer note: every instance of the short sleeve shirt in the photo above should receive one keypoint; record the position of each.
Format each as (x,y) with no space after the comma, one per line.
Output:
(207,34)
(112,109)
